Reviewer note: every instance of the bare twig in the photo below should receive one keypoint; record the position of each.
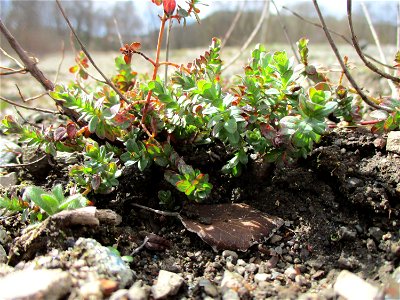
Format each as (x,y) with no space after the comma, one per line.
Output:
(61,61)
(367,63)
(28,107)
(122,97)
(23,165)
(31,98)
(263,17)
(30,64)
(12,58)
(285,31)
(159,212)
(343,65)
(335,33)
(118,33)
(146,239)
(378,45)
(25,120)
(12,71)
(233,24)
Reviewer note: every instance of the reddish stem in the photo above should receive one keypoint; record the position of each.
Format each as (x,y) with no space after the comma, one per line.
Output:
(155,70)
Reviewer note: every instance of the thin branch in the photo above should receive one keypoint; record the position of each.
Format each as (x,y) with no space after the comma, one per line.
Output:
(335,33)
(25,120)
(12,71)
(285,31)
(159,212)
(263,17)
(146,57)
(28,107)
(118,33)
(12,58)
(146,239)
(367,63)
(23,165)
(30,65)
(122,97)
(342,64)
(378,45)
(31,98)
(233,24)
(61,61)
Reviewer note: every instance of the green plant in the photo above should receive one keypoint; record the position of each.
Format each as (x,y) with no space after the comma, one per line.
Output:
(276,111)
(54,201)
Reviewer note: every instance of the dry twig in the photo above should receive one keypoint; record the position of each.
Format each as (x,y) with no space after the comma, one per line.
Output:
(367,63)
(263,17)
(233,24)
(285,31)
(335,33)
(28,107)
(122,97)
(22,165)
(343,65)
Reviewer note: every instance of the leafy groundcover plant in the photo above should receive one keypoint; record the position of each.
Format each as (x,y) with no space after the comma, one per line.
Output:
(276,110)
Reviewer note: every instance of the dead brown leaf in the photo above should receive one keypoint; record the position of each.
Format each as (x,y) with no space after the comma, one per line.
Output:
(235,226)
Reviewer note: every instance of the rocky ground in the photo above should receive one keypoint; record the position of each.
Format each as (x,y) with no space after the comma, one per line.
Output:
(340,234)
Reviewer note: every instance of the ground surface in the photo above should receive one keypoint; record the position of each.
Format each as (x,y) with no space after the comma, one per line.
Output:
(340,205)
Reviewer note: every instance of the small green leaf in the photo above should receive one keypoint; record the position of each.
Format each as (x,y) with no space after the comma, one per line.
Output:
(93,124)
(231,126)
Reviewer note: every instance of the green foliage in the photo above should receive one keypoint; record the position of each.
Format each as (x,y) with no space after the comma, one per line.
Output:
(12,204)
(275,110)
(54,201)
(99,171)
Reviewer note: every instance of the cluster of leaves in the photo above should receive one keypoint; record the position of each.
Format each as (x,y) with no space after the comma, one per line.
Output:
(270,112)
(35,201)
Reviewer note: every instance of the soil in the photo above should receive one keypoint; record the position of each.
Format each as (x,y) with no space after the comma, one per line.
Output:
(341,208)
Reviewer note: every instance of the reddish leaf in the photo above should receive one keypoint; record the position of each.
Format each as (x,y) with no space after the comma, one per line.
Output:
(71,130)
(235,226)
(60,133)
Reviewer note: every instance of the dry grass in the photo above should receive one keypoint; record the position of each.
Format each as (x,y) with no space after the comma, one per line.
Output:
(319,54)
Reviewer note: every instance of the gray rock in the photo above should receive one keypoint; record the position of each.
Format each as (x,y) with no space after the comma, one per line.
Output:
(275,239)
(209,288)
(393,142)
(230,295)
(376,233)
(348,263)
(346,233)
(262,277)
(35,284)
(91,290)
(168,284)
(8,180)
(234,282)
(316,263)
(103,261)
(371,246)
(230,254)
(3,255)
(4,237)
(271,263)
(290,273)
(139,291)
(354,182)
(121,294)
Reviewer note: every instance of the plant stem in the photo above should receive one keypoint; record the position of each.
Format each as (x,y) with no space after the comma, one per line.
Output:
(155,70)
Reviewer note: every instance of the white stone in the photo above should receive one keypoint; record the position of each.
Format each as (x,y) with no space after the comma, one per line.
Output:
(35,284)
(168,284)
(393,142)
(352,287)
(8,180)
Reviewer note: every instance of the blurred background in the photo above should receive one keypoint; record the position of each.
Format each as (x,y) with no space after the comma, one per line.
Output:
(41,28)
(42,31)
